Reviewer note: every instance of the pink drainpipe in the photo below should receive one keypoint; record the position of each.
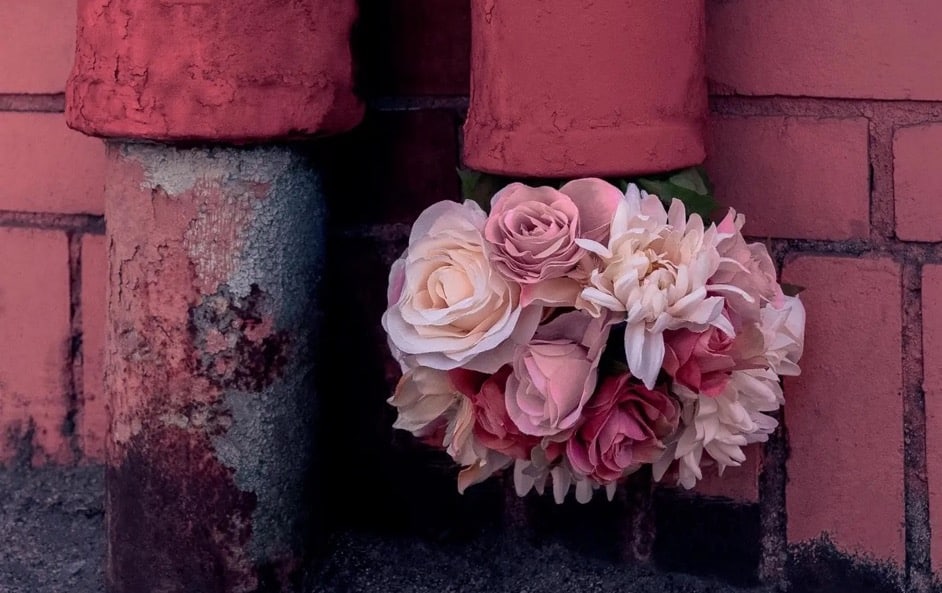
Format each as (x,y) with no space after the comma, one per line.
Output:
(607,88)
(576,89)
(216,243)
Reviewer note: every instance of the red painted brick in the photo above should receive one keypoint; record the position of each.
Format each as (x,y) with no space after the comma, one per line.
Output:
(793,177)
(887,49)
(844,413)
(932,384)
(416,47)
(92,421)
(46,167)
(737,483)
(917,179)
(34,323)
(393,166)
(37,45)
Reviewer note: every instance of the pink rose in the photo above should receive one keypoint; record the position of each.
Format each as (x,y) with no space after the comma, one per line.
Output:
(555,374)
(533,230)
(703,362)
(745,268)
(493,428)
(625,423)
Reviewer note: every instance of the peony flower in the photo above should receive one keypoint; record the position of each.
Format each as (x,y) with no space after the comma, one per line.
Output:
(431,407)
(534,474)
(784,330)
(555,374)
(533,230)
(493,427)
(746,275)
(448,307)
(624,425)
(720,426)
(654,270)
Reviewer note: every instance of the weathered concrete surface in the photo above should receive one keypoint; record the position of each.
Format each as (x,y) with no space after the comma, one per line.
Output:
(362,563)
(51,530)
(216,257)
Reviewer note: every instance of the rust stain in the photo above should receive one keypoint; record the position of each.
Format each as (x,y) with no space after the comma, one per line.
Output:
(235,343)
(177,522)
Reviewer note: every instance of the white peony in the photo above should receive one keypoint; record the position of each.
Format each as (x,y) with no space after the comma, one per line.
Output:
(655,270)
(721,426)
(448,307)
(784,331)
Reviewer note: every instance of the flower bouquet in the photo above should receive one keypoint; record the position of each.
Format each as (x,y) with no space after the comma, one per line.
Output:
(576,334)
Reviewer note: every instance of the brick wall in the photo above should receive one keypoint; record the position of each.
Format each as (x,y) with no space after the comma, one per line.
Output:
(826,132)
(53,264)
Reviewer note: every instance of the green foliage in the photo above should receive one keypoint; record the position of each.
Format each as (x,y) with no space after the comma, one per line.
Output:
(792,289)
(690,186)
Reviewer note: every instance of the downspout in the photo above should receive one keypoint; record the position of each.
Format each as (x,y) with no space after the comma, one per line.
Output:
(216,241)
(576,89)
(607,88)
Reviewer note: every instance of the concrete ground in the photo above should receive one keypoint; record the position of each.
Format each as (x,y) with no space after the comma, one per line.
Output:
(51,526)
(51,522)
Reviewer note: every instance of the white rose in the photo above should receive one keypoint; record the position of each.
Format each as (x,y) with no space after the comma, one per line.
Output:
(448,307)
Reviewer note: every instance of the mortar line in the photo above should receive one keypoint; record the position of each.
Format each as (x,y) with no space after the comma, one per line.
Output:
(74,378)
(92,224)
(772,513)
(38,103)
(418,103)
(915,486)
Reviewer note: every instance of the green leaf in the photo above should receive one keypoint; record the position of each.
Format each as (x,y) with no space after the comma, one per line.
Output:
(480,187)
(792,289)
(690,186)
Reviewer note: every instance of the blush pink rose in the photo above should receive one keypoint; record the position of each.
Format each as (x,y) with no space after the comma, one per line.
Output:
(493,427)
(555,374)
(447,306)
(532,231)
(625,424)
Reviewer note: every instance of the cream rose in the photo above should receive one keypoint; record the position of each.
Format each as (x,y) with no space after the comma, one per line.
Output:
(448,307)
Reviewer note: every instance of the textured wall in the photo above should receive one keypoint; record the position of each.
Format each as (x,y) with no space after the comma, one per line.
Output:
(826,130)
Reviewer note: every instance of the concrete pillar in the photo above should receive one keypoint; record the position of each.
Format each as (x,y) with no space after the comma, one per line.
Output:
(215,256)
(575,89)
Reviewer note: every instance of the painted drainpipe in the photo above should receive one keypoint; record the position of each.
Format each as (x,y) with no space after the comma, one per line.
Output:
(215,248)
(571,89)
(578,88)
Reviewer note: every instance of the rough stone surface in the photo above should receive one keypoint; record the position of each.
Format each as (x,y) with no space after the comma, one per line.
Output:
(793,177)
(216,258)
(841,48)
(917,182)
(577,107)
(492,563)
(221,79)
(52,521)
(839,446)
